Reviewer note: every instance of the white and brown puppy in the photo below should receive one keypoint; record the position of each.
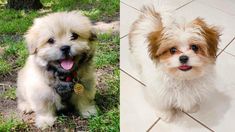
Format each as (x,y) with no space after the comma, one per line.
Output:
(175,60)
(59,45)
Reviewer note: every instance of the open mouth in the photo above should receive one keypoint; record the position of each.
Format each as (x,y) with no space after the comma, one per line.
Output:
(67,63)
(185,67)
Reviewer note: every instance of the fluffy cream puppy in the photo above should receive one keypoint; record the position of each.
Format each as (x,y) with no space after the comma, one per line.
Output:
(61,51)
(175,60)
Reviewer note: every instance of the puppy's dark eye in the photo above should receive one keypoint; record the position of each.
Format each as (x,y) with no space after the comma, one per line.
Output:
(194,48)
(74,36)
(51,41)
(173,50)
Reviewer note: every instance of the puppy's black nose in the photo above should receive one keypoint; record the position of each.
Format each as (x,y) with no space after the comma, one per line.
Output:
(183,59)
(65,48)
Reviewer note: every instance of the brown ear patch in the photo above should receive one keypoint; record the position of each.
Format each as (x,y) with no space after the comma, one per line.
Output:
(154,39)
(211,34)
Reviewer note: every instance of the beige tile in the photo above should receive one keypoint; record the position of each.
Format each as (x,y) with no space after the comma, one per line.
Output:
(172,4)
(136,114)
(218,112)
(212,16)
(127,16)
(182,124)
(227,6)
(231,48)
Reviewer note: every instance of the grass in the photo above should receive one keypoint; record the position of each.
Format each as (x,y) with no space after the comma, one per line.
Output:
(5,67)
(108,102)
(13,24)
(17,22)
(107,53)
(107,122)
(7,125)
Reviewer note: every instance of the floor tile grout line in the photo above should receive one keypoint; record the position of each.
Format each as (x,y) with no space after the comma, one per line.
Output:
(132,77)
(123,36)
(184,5)
(219,53)
(198,121)
(131,6)
(158,119)
(226,46)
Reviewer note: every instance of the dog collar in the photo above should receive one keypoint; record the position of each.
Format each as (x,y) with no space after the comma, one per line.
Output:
(78,87)
(72,77)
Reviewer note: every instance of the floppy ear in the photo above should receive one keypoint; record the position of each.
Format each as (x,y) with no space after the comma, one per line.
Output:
(211,34)
(31,40)
(92,37)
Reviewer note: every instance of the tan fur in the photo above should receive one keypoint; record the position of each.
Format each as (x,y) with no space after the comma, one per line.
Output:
(33,90)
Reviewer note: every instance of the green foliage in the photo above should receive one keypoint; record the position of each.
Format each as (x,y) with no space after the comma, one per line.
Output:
(18,51)
(15,22)
(107,52)
(12,125)
(108,102)
(107,122)
(5,67)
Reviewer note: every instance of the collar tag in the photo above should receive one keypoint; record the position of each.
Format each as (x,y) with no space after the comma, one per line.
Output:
(78,88)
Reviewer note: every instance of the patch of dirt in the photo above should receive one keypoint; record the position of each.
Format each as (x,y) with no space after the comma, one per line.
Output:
(108,19)
(13,37)
(8,108)
(9,77)
(71,122)
(2,51)
(101,78)
(104,17)
(104,99)
(103,27)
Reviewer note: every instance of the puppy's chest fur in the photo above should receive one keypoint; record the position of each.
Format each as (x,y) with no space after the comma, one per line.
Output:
(180,94)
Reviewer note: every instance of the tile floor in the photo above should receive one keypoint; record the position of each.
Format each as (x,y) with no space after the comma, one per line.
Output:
(218,113)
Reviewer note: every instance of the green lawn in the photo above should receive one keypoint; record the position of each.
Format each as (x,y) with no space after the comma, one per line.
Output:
(13,24)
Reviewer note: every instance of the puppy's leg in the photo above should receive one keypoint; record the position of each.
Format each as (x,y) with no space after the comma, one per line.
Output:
(22,104)
(45,116)
(84,102)
(45,112)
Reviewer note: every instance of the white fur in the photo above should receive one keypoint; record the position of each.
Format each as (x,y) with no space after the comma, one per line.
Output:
(165,91)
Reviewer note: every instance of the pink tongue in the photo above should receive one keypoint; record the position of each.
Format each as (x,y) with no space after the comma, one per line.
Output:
(67,64)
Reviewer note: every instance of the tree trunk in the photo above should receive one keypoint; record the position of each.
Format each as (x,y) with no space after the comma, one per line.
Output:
(24,4)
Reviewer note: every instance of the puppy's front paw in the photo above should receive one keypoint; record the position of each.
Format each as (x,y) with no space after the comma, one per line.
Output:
(24,107)
(169,115)
(89,111)
(44,121)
